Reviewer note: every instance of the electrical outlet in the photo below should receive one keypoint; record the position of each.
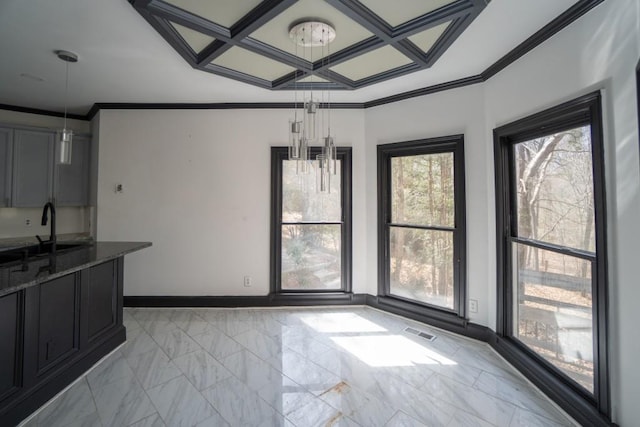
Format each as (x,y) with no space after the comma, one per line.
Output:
(27,222)
(247,281)
(473,305)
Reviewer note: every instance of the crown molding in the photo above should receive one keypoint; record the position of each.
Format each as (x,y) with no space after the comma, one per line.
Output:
(555,26)
(41,112)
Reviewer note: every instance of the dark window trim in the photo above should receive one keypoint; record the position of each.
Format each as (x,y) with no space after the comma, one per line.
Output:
(573,398)
(278,155)
(447,144)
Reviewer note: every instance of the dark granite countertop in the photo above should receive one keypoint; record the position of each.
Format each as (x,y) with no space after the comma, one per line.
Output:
(17,275)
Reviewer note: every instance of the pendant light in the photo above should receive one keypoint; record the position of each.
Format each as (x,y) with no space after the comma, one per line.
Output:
(303,128)
(66,136)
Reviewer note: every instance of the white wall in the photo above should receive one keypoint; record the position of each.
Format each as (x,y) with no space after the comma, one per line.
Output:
(197,182)
(598,52)
(68,220)
(458,111)
(197,185)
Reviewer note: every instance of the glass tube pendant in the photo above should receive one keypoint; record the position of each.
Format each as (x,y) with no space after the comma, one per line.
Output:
(295,139)
(330,154)
(323,177)
(310,120)
(66,136)
(65,147)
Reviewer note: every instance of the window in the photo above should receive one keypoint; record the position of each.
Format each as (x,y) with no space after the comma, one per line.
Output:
(421,223)
(552,247)
(311,231)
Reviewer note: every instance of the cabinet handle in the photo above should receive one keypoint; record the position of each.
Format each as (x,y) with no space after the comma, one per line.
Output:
(46,353)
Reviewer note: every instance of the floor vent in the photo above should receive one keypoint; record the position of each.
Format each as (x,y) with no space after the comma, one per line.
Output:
(424,335)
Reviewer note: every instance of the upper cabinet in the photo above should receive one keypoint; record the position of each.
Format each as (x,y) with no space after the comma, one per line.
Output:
(30,175)
(6,155)
(32,168)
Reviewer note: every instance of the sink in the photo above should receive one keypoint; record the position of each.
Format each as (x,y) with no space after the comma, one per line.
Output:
(47,248)
(9,256)
(35,251)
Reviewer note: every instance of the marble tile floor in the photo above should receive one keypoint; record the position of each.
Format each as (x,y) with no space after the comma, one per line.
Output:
(303,367)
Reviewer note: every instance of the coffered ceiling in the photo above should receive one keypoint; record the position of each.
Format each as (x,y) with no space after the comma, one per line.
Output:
(239,51)
(376,40)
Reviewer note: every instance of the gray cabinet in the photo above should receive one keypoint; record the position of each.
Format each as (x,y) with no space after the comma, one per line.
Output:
(30,176)
(32,168)
(6,155)
(72,181)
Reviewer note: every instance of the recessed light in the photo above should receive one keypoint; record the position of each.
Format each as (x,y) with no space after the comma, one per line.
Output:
(32,77)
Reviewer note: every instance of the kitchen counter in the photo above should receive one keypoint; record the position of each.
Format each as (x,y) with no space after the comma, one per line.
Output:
(61,313)
(16,276)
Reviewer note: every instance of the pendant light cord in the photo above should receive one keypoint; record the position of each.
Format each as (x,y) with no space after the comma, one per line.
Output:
(66,93)
(295,89)
(329,86)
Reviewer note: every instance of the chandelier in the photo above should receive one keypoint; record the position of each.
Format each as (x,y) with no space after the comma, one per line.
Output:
(314,110)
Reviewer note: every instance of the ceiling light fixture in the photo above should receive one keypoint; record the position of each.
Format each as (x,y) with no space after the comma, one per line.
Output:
(303,129)
(64,155)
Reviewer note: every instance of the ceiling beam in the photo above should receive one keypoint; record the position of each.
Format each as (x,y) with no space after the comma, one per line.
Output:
(240,31)
(237,75)
(168,32)
(212,51)
(446,39)
(188,19)
(386,75)
(277,54)
(290,82)
(348,53)
(284,81)
(439,16)
(260,15)
(374,24)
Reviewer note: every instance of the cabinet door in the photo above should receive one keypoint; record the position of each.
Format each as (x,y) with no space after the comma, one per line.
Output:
(57,321)
(72,181)
(102,292)
(6,145)
(33,162)
(11,339)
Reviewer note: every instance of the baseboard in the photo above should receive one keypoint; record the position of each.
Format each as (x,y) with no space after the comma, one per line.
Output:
(271,300)
(445,321)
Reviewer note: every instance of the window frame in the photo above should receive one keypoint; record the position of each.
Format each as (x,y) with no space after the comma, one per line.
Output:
(447,144)
(278,156)
(581,404)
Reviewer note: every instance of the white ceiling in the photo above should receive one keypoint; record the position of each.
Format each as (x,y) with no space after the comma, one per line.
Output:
(123,59)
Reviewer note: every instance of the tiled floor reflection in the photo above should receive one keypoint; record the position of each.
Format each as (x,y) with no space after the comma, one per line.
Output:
(296,367)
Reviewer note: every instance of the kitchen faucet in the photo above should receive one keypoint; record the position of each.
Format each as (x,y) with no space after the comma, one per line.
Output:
(52,236)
